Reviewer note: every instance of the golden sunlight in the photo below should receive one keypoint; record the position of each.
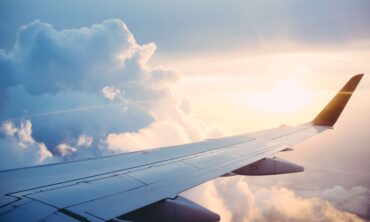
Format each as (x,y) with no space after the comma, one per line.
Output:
(289,95)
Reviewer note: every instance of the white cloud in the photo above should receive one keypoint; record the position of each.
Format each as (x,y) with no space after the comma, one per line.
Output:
(110,92)
(355,199)
(160,133)
(92,88)
(19,149)
(84,141)
(65,150)
(50,76)
(236,201)
(208,196)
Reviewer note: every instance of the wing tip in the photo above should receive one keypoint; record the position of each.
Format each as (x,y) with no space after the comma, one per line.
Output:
(330,114)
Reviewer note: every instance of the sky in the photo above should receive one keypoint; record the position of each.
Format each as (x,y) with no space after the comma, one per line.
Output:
(82,79)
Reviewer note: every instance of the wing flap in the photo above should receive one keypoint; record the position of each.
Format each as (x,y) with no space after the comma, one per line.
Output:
(30,211)
(85,191)
(160,172)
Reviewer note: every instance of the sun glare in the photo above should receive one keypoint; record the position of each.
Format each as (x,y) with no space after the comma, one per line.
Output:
(289,95)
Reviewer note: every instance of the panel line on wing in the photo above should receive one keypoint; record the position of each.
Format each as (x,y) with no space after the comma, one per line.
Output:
(100,208)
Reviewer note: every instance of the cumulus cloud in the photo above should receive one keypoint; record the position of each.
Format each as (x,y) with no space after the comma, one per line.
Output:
(355,199)
(84,141)
(208,196)
(18,148)
(90,91)
(148,137)
(284,205)
(110,92)
(237,201)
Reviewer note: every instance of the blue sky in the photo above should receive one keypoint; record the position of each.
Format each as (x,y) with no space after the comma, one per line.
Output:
(178,27)
(85,78)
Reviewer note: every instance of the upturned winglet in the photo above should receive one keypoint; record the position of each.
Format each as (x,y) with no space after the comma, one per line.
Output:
(330,114)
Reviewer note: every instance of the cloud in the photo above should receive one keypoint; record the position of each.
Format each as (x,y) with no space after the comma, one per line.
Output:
(78,148)
(148,137)
(208,196)
(75,86)
(237,201)
(84,141)
(19,149)
(110,92)
(355,199)
(90,92)
(284,205)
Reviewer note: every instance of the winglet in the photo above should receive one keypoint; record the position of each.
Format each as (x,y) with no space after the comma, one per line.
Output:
(329,115)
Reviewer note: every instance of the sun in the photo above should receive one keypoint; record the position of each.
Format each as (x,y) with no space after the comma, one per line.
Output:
(287,96)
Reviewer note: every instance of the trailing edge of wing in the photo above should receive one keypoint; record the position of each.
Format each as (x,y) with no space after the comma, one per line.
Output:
(330,114)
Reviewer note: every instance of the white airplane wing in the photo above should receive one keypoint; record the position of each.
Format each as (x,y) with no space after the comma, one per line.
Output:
(145,185)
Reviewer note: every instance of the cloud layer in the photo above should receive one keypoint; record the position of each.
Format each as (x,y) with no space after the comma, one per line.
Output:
(238,201)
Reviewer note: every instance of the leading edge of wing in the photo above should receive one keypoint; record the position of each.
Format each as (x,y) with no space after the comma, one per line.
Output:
(330,114)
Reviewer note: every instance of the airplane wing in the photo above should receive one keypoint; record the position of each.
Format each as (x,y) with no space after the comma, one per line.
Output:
(145,185)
